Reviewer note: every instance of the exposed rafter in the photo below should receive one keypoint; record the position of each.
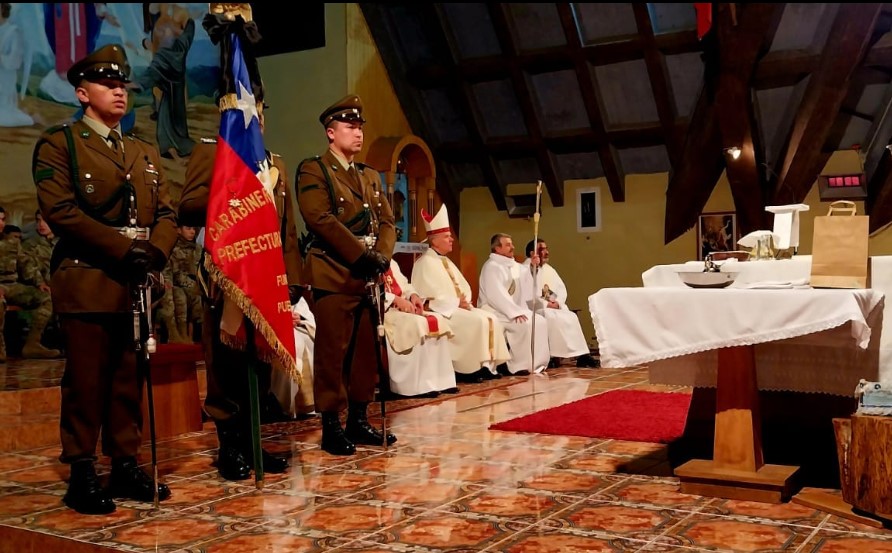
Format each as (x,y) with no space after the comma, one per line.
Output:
(818,89)
(610,162)
(659,80)
(460,91)
(805,155)
(383,27)
(743,34)
(500,20)
(723,118)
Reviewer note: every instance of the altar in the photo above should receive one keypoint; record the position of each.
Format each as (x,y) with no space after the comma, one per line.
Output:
(729,326)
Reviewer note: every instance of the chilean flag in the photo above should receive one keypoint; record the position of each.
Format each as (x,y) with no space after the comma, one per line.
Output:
(243,233)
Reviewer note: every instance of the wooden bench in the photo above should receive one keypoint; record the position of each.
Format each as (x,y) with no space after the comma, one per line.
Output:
(175,387)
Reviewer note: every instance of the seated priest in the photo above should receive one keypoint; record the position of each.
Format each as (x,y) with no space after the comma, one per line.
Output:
(296,399)
(502,293)
(478,344)
(418,351)
(548,297)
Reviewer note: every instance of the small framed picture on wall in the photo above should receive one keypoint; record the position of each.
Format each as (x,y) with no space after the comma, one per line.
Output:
(716,232)
(588,209)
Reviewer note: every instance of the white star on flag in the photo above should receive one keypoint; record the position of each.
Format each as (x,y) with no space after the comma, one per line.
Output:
(246,104)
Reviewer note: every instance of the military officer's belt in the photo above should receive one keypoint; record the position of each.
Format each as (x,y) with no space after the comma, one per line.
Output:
(134,233)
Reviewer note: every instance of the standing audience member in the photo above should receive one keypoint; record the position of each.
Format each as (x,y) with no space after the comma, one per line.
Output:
(104,195)
(501,292)
(352,237)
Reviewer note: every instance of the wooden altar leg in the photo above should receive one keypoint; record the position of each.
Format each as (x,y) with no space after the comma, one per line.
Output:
(738,469)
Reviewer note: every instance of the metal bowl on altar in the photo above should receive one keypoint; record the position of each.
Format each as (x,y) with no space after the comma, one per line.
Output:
(724,256)
(708,279)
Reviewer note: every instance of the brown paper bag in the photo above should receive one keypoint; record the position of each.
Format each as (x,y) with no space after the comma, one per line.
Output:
(839,248)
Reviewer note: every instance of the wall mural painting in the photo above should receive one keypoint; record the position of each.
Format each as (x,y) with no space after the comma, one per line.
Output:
(175,71)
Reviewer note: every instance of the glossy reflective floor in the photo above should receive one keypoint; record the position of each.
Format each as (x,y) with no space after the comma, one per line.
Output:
(449,484)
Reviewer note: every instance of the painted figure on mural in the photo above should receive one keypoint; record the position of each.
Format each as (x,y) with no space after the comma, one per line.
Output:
(72,31)
(171,31)
(12,54)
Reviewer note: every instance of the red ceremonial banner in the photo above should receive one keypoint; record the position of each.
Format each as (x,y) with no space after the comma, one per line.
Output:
(243,233)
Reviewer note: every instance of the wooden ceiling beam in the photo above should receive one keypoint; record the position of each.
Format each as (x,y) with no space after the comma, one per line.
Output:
(743,34)
(383,29)
(659,80)
(784,68)
(500,18)
(732,48)
(694,177)
(462,97)
(846,46)
(879,194)
(610,162)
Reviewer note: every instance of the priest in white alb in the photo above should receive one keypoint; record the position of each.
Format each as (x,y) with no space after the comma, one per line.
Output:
(501,292)
(418,352)
(547,294)
(295,399)
(478,344)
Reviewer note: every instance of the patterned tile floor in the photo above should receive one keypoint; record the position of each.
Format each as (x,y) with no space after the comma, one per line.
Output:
(449,484)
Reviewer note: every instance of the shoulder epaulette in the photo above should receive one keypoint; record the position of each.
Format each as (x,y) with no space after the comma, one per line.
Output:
(55,128)
(132,136)
(208,140)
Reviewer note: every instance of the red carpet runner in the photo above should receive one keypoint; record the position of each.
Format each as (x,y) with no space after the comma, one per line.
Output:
(629,415)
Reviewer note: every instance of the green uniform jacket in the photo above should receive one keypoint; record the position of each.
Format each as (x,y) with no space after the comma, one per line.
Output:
(83,193)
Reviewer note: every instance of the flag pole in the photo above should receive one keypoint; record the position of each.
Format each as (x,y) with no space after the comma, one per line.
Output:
(535,269)
(254,399)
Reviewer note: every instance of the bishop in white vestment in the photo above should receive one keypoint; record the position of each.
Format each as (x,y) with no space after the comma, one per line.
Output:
(547,295)
(418,351)
(501,292)
(478,341)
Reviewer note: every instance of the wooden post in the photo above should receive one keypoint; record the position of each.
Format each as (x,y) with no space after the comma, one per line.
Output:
(737,470)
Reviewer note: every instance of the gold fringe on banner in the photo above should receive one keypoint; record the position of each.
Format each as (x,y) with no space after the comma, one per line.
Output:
(280,352)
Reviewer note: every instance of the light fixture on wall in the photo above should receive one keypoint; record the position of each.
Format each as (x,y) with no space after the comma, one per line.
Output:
(734,152)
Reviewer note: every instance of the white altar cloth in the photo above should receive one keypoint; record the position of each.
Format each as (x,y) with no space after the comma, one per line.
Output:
(795,269)
(796,347)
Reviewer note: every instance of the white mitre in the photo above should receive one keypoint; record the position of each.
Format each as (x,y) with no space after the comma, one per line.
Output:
(437,224)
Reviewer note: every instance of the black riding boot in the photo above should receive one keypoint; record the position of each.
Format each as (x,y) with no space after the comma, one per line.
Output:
(85,495)
(231,461)
(360,431)
(333,439)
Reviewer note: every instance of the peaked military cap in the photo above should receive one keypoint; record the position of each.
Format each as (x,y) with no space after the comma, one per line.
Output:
(109,62)
(348,108)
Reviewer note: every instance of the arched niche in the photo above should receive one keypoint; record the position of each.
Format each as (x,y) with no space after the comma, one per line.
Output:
(408,155)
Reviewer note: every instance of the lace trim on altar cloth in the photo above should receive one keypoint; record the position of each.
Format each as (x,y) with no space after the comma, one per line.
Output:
(817,363)
(860,331)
